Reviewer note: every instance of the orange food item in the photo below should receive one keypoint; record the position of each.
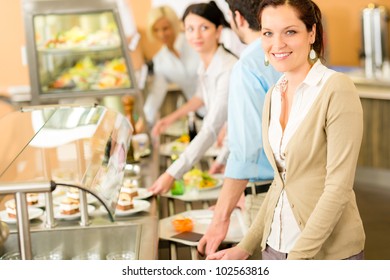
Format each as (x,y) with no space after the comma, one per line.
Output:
(182,224)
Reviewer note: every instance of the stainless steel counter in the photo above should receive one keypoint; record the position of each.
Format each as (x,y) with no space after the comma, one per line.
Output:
(371,88)
(137,233)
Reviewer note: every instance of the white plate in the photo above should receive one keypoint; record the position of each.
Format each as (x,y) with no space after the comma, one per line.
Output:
(58,215)
(90,198)
(33,213)
(139,205)
(143,193)
(217,185)
(41,201)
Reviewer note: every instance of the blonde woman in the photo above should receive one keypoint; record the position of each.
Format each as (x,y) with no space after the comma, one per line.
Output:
(176,62)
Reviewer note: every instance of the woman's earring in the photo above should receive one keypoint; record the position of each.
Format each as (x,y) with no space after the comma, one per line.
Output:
(312,54)
(266,61)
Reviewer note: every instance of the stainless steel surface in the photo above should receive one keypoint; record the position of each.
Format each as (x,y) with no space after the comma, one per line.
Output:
(376,42)
(23,224)
(49,222)
(69,240)
(43,186)
(84,208)
(72,242)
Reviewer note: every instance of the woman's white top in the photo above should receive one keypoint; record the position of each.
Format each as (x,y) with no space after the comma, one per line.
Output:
(213,89)
(284,229)
(168,68)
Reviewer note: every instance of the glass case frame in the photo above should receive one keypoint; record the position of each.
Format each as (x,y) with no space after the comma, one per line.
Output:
(74,56)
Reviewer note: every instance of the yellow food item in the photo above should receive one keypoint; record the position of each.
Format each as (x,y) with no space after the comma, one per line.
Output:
(198,178)
(185,138)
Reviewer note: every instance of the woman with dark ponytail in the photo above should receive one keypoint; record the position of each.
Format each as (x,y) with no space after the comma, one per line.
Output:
(312,131)
(203,24)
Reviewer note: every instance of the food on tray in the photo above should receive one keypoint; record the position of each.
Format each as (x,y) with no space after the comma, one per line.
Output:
(180,144)
(32,198)
(184,138)
(126,196)
(73,193)
(89,74)
(182,224)
(69,206)
(198,178)
(10,208)
(77,38)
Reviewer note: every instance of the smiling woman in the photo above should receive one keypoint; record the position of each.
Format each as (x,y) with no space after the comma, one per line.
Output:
(312,131)
(203,23)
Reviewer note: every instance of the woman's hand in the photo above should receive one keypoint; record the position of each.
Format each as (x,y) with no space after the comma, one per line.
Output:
(234,253)
(162,184)
(161,126)
(217,168)
(221,136)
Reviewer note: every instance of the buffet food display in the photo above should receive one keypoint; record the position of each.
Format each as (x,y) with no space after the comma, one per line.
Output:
(78,51)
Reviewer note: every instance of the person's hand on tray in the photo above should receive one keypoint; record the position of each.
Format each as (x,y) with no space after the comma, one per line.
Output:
(162,185)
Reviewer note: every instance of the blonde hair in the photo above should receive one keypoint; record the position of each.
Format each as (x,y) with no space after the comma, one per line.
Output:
(159,12)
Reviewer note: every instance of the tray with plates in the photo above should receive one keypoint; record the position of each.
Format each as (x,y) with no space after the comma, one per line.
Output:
(201,220)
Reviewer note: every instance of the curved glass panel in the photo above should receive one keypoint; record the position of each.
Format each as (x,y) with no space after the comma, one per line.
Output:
(81,146)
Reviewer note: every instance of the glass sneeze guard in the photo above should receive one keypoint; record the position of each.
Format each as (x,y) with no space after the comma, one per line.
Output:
(83,146)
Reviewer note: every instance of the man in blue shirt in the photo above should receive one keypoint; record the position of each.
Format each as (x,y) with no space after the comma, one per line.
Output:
(247,168)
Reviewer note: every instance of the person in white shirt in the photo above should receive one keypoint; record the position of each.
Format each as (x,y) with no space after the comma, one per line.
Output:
(203,24)
(176,62)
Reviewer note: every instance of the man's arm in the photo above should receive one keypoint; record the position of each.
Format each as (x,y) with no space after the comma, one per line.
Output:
(231,191)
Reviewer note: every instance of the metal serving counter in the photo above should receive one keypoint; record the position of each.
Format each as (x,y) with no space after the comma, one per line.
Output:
(77,148)
(374,157)
(137,233)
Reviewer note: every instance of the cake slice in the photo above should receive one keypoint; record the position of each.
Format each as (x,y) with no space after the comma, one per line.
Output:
(125,202)
(10,208)
(69,206)
(32,198)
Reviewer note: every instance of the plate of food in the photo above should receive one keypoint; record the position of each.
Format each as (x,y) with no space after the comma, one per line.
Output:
(34,200)
(68,210)
(143,193)
(137,206)
(9,214)
(74,194)
(202,180)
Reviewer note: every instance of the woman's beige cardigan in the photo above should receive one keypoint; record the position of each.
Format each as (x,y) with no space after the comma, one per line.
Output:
(321,160)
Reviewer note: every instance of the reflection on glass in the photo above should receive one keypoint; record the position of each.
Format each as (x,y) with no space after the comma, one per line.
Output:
(81,146)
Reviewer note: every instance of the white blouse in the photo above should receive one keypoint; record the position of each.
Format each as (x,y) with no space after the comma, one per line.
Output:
(168,68)
(214,91)
(284,229)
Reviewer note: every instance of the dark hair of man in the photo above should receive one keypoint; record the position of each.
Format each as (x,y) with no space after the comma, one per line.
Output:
(308,12)
(248,9)
(209,11)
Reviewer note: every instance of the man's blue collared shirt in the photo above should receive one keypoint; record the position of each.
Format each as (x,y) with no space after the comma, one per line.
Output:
(249,83)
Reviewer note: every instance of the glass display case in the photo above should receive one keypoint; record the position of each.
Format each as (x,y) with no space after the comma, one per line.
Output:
(74,146)
(76,49)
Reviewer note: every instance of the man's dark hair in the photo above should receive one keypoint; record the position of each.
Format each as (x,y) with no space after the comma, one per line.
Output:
(248,9)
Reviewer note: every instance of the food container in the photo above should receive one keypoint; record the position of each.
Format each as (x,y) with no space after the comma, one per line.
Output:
(182,224)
